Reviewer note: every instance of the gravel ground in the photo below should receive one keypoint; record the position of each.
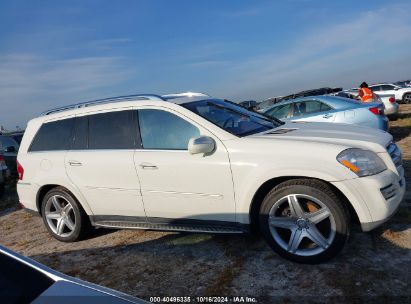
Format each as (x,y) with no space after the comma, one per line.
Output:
(374,267)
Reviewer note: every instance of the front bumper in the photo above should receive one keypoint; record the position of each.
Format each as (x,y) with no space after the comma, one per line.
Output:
(372,208)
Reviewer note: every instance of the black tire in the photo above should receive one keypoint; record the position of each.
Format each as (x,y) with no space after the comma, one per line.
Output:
(82,222)
(333,205)
(1,190)
(406,99)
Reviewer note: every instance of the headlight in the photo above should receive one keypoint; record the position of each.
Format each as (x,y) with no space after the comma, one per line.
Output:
(361,162)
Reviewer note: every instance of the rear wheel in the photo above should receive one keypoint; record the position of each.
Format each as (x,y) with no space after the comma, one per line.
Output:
(406,98)
(63,216)
(304,221)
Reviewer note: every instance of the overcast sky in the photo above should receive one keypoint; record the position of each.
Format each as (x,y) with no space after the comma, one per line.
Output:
(55,53)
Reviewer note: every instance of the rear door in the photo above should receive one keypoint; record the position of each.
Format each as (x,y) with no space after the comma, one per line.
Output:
(100,163)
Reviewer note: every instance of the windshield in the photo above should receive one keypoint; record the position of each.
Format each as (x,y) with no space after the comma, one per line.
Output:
(232,117)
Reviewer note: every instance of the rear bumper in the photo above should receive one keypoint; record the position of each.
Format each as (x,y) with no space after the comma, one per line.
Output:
(391,109)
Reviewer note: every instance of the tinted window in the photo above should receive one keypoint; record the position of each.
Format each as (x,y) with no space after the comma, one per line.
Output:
(387,87)
(6,142)
(80,136)
(375,88)
(113,130)
(279,112)
(164,130)
(53,136)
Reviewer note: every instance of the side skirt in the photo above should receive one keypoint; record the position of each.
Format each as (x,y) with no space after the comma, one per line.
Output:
(164,224)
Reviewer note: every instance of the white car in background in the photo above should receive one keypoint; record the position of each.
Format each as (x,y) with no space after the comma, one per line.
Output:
(401,94)
(190,162)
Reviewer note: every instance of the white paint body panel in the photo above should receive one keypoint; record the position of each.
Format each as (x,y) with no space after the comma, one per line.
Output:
(219,186)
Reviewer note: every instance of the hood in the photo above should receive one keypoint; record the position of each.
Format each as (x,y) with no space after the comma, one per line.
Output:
(331,133)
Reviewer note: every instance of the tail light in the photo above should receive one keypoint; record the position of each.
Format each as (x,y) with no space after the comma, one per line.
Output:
(376,110)
(2,162)
(392,99)
(20,171)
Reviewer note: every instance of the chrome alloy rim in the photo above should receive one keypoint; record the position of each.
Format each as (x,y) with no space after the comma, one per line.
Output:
(407,98)
(60,216)
(302,225)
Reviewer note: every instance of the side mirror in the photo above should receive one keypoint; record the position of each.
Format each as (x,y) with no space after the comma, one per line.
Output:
(396,89)
(202,144)
(10,149)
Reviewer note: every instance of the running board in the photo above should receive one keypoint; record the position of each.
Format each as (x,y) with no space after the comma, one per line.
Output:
(229,229)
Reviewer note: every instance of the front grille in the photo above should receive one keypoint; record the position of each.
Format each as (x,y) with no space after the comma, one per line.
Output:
(395,154)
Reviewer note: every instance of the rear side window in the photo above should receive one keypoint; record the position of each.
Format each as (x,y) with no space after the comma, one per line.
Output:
(113,130)
(166,131)
(53,136)
(80,137)
(310,107)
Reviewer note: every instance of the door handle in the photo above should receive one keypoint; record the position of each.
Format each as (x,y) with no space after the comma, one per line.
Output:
(148,166)
(74,163)
(327,115)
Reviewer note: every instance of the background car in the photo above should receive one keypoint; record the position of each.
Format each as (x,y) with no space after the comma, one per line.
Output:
(23,280)
(330,109)
(3,173)
(17,136)
(9,148)
(403,83)
(248,104)
(401,94)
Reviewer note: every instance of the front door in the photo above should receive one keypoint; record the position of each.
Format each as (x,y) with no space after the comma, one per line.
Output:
(174,183)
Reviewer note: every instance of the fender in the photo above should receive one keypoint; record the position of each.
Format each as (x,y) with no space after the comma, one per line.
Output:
(63,182)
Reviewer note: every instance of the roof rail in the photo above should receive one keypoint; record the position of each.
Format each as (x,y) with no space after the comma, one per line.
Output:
(103,101)
(185,94)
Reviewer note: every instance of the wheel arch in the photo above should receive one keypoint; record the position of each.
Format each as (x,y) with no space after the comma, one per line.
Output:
(266,187)
(43,190)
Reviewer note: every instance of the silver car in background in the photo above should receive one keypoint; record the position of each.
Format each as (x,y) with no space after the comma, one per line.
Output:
(330,109)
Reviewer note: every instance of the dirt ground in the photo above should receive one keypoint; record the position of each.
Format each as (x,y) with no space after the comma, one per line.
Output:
(374,267)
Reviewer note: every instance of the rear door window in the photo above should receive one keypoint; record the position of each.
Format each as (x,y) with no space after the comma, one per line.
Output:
(53,136)
(310,107)
(113,130)
(80,136)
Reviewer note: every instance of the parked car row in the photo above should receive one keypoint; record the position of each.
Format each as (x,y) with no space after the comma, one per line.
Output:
(191,162)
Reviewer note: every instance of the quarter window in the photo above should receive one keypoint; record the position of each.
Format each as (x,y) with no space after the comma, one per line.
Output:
(53,136)
(164,130)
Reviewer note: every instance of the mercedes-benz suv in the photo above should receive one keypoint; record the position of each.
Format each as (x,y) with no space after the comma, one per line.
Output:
(190,162)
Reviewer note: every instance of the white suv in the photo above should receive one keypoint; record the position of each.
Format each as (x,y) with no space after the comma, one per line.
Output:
(189,162)
(401,94)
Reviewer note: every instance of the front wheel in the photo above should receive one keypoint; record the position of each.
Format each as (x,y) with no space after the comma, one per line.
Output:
(406,98)
(304,221)
(63,216)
